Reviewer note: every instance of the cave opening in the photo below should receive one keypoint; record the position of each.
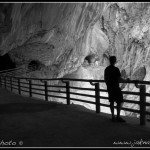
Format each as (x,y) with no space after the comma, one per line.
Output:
(34,65)
(91,59)
(6,62)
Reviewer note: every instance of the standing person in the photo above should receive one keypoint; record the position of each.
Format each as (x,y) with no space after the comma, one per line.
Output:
(112,77)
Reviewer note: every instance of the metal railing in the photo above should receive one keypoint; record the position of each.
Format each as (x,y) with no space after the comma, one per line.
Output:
(30,85)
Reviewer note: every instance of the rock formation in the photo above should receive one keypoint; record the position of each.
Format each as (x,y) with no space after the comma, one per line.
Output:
(76,39)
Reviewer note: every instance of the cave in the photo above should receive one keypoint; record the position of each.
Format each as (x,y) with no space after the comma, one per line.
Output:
(6,62)
(91,59)
(55,40)
(34,65)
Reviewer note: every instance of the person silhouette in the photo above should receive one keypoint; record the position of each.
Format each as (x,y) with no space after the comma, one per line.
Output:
(112,77)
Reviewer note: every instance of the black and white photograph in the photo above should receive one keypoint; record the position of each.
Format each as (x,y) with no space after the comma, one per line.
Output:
(74,75)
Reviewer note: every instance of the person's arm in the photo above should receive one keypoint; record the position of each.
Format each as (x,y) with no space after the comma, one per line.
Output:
(121,79)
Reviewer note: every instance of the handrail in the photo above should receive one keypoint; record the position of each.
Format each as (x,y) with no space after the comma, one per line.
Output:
(82,80)
(7,81)
(8,70)
(14,70)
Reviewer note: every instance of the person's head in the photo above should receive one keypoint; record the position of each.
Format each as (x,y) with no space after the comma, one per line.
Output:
(112,60)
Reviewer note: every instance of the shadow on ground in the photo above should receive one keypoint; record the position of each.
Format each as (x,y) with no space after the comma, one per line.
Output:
(37,123)
(25,107)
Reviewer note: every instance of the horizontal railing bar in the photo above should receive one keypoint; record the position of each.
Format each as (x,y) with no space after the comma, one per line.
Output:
(86,80)
(24,83)
(130,110)
(14,72)
(82,88)
(82,101)
(10,84)
(16,80)
(5,74)
(37,84)
(38,93)
(122,108)
(56,91)
(37,78)
(103,90)
(24,87)
(103,97)
(38,89)
(131,101)
(131,93)
(147,94)
(147,104)
(24,91)
(15,88)
(20,73)
(56,86)
(82,94)
(82,80)
(105,105)
(15,85)
(8,70)
(147,113)
(56,96)
(11,73)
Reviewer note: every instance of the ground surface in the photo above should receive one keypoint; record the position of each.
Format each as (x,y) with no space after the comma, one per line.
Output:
(28,122)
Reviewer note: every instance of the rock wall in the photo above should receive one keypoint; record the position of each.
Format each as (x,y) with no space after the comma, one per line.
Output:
(68,37)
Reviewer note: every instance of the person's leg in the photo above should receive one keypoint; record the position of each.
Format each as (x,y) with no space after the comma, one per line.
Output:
(118,109)
(119,105)
(112,109)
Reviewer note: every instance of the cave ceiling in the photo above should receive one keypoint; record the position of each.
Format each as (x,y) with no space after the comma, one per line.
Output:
(61,36)
(75,40)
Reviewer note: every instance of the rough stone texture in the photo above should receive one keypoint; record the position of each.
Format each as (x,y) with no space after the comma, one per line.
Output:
(61,36)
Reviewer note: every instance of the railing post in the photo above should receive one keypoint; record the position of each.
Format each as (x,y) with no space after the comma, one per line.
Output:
(46,91)
(0,81)
(142,105)
(11,83)
(68,92)
(30,88)
(5,82)
(97,95)
(19,90)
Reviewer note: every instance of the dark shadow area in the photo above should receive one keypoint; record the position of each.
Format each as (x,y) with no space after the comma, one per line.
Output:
(34,65)
(25,107)
(6,63)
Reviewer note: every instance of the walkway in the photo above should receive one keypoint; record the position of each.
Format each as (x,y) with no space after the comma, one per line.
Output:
(29,122)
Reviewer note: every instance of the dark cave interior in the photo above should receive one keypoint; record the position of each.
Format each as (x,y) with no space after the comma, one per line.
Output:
(6,63)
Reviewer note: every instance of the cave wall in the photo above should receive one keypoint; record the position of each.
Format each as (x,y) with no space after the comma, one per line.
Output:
(70,39)
(62,35)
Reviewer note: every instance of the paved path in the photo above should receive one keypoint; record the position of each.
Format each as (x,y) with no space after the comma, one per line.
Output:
(28,122)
